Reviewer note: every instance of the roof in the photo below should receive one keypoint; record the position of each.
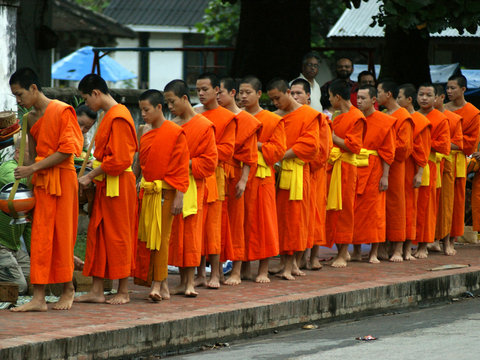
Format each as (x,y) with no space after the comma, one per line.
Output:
(356,23)
(178,13)
(69,16)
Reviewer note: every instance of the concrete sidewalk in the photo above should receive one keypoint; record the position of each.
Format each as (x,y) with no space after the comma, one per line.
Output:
(91,331)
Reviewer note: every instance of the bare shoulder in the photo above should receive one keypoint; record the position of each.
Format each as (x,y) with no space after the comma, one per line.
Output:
(280,112)
(199,109)
(449,106)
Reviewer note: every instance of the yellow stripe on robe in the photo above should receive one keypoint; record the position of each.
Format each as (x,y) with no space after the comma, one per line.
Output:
(334,198)
(113,185)
(291,178)
(263,170)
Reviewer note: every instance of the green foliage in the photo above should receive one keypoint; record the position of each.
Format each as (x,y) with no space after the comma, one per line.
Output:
(94,5)
(432,15)
(323,15)
(220,22)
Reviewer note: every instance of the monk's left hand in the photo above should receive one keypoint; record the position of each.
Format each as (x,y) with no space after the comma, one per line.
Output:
(23,172)
(177,205)
(240,188)
(84,181)
(383,186)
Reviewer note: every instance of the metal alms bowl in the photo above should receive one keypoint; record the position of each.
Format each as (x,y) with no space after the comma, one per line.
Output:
(23,202)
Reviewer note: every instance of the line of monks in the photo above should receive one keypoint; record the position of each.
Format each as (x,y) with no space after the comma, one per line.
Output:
(221,182)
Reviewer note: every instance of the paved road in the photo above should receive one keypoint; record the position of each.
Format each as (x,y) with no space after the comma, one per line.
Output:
(448,331)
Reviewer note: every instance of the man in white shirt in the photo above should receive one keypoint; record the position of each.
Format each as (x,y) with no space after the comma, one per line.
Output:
(310,65)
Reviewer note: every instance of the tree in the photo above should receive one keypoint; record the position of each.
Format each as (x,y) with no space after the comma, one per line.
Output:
(220,22)
(408,24)
(94,5)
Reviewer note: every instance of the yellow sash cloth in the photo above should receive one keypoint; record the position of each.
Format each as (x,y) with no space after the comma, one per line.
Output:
(460,163)
(291,178)
(112,188)
(150,224)
(438,162)
(334,198)
(190,206)
(263,170)
(49,178)
(220,177)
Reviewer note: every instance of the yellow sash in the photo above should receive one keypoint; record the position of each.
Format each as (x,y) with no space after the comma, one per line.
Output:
(334,199)
(291,178)
(112,188)
(190,206)
(220,177)
(460,163)
(263,170)
(150,224)
(438,162)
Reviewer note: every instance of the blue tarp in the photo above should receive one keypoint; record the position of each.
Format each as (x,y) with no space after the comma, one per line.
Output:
(79,63)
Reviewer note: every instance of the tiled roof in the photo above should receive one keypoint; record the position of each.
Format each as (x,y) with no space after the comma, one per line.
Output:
(157,12)
(356,23)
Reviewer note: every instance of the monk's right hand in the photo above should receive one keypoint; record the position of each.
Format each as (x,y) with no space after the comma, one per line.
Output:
(177,205)
(417,180)
(23,172)
(84,181)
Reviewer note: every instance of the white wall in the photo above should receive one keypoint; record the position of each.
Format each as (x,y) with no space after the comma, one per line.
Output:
(128,59)
(168,65)
(7,56)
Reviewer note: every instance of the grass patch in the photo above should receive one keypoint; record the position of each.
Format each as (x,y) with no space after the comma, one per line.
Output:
(80,246)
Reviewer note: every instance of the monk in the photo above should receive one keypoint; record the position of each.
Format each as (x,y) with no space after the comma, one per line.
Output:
(440,143)
(53,138)
(445,193)
(293,193)
(347,131)
(395,200)
(111,244)
(185,247)
(414,164)
(164,164)
(456,87)
(216,184)
(243,163)
(373,179)
(300,90)
(261,226)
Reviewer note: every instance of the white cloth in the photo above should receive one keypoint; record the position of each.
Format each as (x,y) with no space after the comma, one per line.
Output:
(315,93)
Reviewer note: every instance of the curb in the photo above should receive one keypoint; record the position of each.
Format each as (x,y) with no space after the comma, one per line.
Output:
(161,335)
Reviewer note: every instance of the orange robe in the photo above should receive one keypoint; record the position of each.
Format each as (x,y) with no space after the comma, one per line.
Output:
(396,198)
(418,158)
(112,231)
(445,194)
(55,217)
(369,213)
(301,130)
(217,183)
(261,226)
(349,126)
(233,214)
(163,156)
(427,199)
(185,247)
(470,129)
(318,185)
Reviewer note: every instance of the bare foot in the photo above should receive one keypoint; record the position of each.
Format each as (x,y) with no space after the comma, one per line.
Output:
(285,276)
(222,278)
(356,257)
(77,263)
(190,292)
(298,272)
(164,292)
(382,252)
(396,257)
(65,301)
(34,305)
(421,253)
(434,247)
(200,281)
(409,257)
(262,279)
(119,299)
(155,296)
(339,262)
(275,269)
(373,260)
(90,298)
(449,248)
(179,290)
(348,257)
(315,264)
(233,280)
(214,282)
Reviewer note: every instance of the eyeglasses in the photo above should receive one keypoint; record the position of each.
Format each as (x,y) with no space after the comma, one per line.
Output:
(312,65)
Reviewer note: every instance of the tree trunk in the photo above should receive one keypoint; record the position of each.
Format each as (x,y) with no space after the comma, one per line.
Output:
(405,56)
(273,36)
